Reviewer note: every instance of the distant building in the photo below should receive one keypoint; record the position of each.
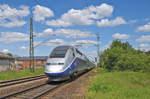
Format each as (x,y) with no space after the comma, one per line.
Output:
(6,62)
(24,62)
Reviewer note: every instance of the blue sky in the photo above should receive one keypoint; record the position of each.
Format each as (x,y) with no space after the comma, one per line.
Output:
(73,22)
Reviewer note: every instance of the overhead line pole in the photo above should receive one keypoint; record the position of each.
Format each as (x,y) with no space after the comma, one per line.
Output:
(31,46)
(98,47)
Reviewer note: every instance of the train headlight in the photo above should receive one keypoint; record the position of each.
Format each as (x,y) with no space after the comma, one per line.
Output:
(56,69)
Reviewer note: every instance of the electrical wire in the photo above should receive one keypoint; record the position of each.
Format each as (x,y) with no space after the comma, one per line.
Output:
(45,41)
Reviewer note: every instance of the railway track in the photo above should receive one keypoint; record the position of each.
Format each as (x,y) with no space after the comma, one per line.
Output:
(33,92)
(20,80)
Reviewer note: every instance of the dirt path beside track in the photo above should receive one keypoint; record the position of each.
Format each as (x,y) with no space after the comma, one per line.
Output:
(74,90)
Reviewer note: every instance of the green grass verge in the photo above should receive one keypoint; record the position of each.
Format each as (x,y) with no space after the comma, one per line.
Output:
(18,74)
(119,85)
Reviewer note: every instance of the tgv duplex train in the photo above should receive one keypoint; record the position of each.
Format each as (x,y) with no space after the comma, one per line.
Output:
(66,62)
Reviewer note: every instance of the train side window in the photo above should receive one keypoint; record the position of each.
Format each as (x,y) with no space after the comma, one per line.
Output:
(79,52)
(73,55)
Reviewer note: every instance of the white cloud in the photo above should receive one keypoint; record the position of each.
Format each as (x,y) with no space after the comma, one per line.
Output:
(5,50)
(144,38)
(11,37)
(111,23)
(71,33)
(23,47)
(145,28)
(14,23)
(106,46)
(132,21)
(120,36)
(41,12)
(143,46)
(68,33)
(146,19)
(85,43)
(85,16)
(46,32)
(55,42)
(11,17)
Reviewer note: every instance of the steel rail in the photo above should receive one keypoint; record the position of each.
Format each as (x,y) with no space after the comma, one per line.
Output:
(22,80)
(48,90)
(38,95)
(22,91)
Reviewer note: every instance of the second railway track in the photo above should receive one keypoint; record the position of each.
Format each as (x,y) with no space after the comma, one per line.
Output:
(20,80)
(33,92)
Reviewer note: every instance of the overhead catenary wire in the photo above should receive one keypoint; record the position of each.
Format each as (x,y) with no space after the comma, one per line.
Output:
(45,41)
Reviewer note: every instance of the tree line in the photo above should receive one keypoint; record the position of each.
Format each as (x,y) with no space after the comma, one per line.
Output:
(121,56)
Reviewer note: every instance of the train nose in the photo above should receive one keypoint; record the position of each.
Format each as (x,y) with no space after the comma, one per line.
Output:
(54,65)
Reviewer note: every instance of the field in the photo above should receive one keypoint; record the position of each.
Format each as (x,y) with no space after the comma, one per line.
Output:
(17,74)
(119,85)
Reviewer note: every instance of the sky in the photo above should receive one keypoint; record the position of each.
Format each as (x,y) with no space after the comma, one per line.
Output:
(73,22)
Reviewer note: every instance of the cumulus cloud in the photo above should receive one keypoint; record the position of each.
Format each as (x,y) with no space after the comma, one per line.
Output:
(132,21)
(12,17)
(120,36)
(146,19)
(82,17)
(143,46)
(55,42)
(46,32)
(85,43)
(106,46)
(111,23)
(5,50)
(14,23)
(144,38)
(144,28)
(68,33)
(41,12)
(11,37)
(23,47)
(71,33)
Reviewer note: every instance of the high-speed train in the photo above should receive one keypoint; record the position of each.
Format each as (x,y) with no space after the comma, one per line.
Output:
(66,62)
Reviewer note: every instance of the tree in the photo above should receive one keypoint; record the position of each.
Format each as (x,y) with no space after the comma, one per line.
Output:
(148,52)
(9,54)
(121,56)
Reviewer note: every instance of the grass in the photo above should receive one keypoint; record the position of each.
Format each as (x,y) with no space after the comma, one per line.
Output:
(119,85)
(18,74)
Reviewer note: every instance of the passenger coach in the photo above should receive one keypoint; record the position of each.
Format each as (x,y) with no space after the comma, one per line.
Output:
(66,62)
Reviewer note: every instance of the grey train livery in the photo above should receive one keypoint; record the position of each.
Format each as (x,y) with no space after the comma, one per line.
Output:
(66,62)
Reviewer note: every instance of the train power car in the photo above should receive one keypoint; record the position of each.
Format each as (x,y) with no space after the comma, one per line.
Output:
(66,62)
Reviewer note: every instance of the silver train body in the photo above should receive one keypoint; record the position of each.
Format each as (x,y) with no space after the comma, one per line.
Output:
(66,62)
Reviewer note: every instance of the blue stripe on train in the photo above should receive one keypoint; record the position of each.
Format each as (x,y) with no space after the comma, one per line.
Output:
(67,70)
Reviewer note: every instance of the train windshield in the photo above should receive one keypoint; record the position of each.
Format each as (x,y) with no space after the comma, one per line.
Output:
(59,52)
